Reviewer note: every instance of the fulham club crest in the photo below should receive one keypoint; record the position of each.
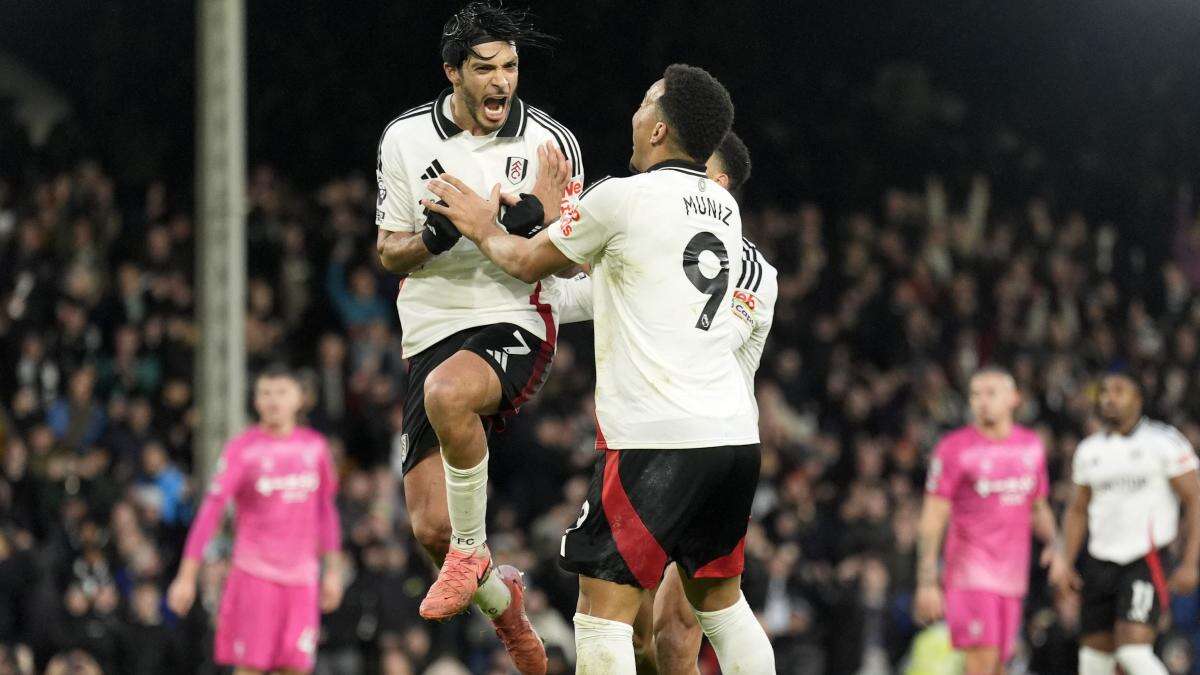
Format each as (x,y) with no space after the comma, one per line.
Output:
(515,169)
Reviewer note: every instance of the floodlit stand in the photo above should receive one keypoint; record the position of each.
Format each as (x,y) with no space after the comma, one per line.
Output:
(220,380)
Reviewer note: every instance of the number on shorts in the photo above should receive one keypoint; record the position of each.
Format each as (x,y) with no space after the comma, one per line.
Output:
(1142,602)
(578,524)
(715,287)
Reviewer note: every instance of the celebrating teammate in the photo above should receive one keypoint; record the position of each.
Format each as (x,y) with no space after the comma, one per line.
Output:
(1130,480)
(666,630)
(282,482)
(988,483)
(479,342)
(675,418)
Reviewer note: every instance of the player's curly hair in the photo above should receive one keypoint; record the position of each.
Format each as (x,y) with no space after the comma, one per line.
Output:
(481,22)
(735,159)
(697,108)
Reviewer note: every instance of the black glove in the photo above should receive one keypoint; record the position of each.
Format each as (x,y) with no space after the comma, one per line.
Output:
(525,218)
(440,235)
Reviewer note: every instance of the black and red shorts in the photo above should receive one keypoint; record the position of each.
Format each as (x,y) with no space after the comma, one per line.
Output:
(646,508)
(520,359)
(1135,592)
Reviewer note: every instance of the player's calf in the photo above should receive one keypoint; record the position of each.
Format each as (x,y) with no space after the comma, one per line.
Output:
(425,500)
(677,635)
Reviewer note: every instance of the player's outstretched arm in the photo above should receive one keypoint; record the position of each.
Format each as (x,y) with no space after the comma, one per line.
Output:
(1187,574)
(529,260)
(935,514)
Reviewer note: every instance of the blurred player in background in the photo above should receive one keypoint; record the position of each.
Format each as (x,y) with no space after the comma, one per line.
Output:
(283,486)
(479,342)
(674,415)
(1130,481)
(667,637)
(988,483)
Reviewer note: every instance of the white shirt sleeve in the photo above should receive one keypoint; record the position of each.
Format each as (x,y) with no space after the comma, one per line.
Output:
(572,298)
(1179,457)
(754,314)
(394,210)
(586,239)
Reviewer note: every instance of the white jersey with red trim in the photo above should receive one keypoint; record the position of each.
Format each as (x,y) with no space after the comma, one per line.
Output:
(461,288)
(1133,509)
(666,250)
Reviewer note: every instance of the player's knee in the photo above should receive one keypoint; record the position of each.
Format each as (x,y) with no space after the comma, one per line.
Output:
(444,395)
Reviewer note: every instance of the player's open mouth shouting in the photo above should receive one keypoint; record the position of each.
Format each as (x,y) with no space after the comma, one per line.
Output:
(495,108)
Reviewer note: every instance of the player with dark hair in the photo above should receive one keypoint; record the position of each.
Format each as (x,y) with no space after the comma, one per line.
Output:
(478,341)
(666,635)
(675,418)
(1131,479)
(282,482)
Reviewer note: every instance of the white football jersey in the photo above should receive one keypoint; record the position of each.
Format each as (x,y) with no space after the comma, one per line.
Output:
(1133,506)
(461,288)
(753,307)
(665,249)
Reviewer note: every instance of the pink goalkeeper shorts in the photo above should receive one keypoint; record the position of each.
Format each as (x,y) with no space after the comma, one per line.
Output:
(267,626)
(983,619)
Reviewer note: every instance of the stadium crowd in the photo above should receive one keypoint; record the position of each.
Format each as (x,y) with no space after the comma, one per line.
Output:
(882,316)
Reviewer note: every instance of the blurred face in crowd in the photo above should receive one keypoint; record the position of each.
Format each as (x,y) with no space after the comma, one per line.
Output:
(484,85)
(1120,401)
(648,127)
(994,399)
(277,400)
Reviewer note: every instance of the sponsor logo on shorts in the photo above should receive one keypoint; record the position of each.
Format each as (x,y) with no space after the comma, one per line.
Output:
(400,453)
(500,356)
(308,641)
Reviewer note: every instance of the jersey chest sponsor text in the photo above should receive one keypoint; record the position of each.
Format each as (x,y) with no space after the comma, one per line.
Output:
(291,487)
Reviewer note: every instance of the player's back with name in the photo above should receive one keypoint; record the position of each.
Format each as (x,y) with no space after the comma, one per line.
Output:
(666,250)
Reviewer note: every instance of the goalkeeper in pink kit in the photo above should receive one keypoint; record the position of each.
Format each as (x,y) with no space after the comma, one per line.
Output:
(281,480)
(987,484)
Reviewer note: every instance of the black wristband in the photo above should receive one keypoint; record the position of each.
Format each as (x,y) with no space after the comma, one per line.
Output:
(440,234)
(525,218)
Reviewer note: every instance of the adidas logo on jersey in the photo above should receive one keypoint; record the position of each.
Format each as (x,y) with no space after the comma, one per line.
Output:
(433,170)
(501,355)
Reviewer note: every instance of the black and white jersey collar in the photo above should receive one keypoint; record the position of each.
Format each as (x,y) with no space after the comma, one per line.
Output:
(514,125)
(1133,431)
(680,165)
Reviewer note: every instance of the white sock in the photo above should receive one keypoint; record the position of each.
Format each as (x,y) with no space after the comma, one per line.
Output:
(493,597)
(738,639)
(1139,660)
(1096,662)
(603,647)
(466,494)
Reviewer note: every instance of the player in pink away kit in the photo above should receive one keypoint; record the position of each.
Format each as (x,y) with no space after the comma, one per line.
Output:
(988,483)
(282,482)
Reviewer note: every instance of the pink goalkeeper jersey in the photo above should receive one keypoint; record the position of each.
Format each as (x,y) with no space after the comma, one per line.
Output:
(283,490)
(992,486)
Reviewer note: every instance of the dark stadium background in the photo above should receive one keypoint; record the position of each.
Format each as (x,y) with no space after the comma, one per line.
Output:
(848,108)
(1094,101)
